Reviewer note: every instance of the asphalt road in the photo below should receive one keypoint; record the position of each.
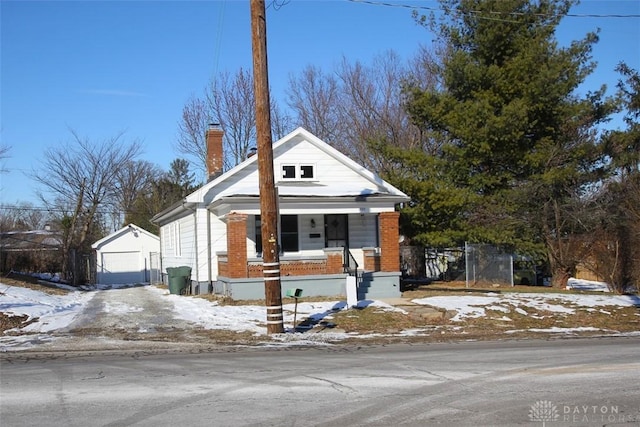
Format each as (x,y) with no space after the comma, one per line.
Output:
(573,382)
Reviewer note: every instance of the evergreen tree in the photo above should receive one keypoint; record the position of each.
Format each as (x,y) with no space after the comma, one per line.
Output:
(619,259)
(169,188)
(519,147)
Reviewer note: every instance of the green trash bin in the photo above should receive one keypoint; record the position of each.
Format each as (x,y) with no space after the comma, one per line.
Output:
(179,278)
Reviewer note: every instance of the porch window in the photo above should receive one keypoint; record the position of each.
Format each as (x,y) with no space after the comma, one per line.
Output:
(288,234)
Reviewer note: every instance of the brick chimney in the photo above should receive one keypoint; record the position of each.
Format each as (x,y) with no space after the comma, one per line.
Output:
(214,150)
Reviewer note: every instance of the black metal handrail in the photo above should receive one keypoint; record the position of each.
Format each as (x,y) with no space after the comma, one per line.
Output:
(350,263)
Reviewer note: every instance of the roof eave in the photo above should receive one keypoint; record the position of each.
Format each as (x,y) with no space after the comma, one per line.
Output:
(175,209)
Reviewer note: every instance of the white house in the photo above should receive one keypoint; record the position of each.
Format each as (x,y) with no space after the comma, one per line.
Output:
(335,218)
(124,257)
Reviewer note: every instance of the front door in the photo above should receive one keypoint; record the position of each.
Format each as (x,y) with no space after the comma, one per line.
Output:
(336,231)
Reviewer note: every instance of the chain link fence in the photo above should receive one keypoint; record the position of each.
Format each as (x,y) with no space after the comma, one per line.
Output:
(155,270)
(487,265)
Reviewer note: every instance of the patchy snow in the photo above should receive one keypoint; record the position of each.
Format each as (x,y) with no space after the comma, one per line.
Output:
(587,285)
(49,313)
(52,311)
(557,330)
(473,306)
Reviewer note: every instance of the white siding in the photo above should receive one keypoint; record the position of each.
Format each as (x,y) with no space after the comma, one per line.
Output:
(218,238)
(251,233)
(363,231)
(201,247)
(327,169)
(331,173)
(311,238)
(178,243)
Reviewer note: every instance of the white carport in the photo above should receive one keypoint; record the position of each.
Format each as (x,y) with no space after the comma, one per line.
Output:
(124,257)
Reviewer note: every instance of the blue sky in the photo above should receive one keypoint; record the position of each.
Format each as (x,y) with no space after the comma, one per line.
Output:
(103,67)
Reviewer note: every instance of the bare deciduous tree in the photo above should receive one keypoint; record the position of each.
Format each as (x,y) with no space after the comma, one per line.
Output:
(133,179)
(361,105)
(4,153)
(22,217)
(196,116)
(82,176)
(315,97)
(229,101)
(281,123)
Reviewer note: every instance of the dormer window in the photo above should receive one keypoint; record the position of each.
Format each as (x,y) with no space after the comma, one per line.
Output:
(301,171)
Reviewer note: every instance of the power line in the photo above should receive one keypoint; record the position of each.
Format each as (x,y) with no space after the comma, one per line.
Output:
(478,12)
(46,209)
(278,4)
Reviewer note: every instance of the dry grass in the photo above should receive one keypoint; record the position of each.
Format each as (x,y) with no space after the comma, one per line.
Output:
(371,320)
(387,326)
(224,300)
(25,281)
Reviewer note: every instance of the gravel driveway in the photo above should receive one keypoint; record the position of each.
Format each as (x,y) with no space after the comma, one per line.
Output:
(125,318)
(137,309)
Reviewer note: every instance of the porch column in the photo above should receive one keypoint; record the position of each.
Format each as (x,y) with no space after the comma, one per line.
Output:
(237,245)
(389,244)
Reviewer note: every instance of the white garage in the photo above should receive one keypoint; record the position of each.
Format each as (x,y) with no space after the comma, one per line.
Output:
(124,257)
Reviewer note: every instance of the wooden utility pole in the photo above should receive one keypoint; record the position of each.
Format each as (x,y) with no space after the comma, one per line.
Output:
(268,194)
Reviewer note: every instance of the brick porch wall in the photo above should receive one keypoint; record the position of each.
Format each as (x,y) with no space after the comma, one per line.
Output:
(332,264)
(389,246)
(371,259)
(236,245)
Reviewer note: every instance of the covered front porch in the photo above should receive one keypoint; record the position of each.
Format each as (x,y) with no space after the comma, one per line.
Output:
(317,253)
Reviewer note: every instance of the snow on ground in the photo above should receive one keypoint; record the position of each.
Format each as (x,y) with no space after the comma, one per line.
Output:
(470,306)
(587,285)
(53,312)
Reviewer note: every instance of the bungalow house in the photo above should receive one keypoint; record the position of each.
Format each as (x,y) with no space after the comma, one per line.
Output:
(335,219)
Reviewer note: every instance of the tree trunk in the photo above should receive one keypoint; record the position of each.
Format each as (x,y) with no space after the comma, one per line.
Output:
(560,277)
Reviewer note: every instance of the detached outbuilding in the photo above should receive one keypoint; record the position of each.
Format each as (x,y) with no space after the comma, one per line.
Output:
(126,256)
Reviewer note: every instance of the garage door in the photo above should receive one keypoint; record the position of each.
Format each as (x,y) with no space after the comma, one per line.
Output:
(120,268)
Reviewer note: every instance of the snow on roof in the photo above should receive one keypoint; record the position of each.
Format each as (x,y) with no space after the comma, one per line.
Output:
(20,241)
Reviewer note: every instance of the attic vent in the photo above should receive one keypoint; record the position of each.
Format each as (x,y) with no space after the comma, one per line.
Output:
(306,171)
(303,172)
(288,172)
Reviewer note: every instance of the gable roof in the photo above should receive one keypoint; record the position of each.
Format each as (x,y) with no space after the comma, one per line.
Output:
(231,183)
(34,240)
(126,229)
(377,184)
